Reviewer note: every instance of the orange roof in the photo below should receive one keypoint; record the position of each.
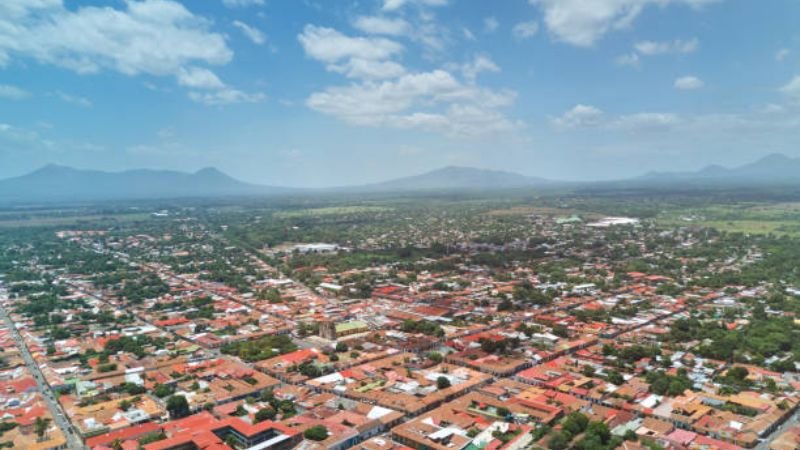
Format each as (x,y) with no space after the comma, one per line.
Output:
(124,434)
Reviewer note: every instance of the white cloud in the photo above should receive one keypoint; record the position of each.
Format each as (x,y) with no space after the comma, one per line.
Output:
(152,37)
(225,96)
(368,69)
(254,34)
(628,59)
(653,48)
(525,30)
(208,89)
(580,116)
(330,46)
(356,57)
(382,25)
(155,37)
(73,99)
(468,35)
(644,121)
(385,93)
(490,24)
(688,83)
(199,78)
(583,22)
(480,63)
(650,48)
(10,92)
(792,88)
(242,3)
(16,138)
(587,116)
(391,5)
(781,54)
(432,101)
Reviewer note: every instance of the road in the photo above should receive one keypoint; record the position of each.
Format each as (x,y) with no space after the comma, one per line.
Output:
(60,418)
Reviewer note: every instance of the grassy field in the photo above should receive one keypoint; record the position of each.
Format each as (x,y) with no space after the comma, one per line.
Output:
(332,211)
(538,210)
(34,220)
(751,218)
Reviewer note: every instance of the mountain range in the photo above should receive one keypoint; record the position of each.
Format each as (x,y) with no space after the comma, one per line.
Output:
(60,183)
(775,168)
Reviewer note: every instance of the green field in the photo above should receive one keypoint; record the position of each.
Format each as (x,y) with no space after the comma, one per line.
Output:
(751,218)
(330,211)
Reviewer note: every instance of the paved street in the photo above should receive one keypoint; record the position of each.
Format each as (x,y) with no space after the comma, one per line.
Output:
(70,433)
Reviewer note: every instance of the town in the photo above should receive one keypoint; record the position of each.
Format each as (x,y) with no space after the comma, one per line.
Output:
(423,325)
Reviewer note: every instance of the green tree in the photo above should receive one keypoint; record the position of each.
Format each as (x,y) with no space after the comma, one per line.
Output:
(177,406)
(264,414)
(40,426)
(316,433)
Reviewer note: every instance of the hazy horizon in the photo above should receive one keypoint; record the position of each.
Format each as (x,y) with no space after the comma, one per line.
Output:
(307,94)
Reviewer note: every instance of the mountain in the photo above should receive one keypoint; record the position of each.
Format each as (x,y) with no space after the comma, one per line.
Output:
(771,169)
(61,183)
(456,178)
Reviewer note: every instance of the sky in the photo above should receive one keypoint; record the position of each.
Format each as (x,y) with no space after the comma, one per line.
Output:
(322,93)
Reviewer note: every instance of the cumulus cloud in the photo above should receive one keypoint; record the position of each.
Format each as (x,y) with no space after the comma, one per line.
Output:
(242,3)
(781,54)
(355,57)
(382,25)
(580,116)
(480,63)
(628,59)
(645,121)
(654,48)
(199,78)
(10,92)
(392,5)
(225,96)
(525,30)
(582,22)
(588,116)
(432,101)
(330,46)
(155,37)
(650,48)
(385,93)
(73,99)
(490,24)
(792,88)
(16,138)
(254,34)
(688,83)
(151,37)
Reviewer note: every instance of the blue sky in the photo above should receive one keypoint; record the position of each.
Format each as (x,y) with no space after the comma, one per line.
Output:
(324,93)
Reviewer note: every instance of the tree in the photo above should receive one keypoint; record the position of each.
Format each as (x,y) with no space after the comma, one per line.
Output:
(558,442)
(40,426)
(264,414)
(177,406)
(616,378)
(435,357)
(575,423)
(316,433)
(162,390)
(442,382)
(341,347)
